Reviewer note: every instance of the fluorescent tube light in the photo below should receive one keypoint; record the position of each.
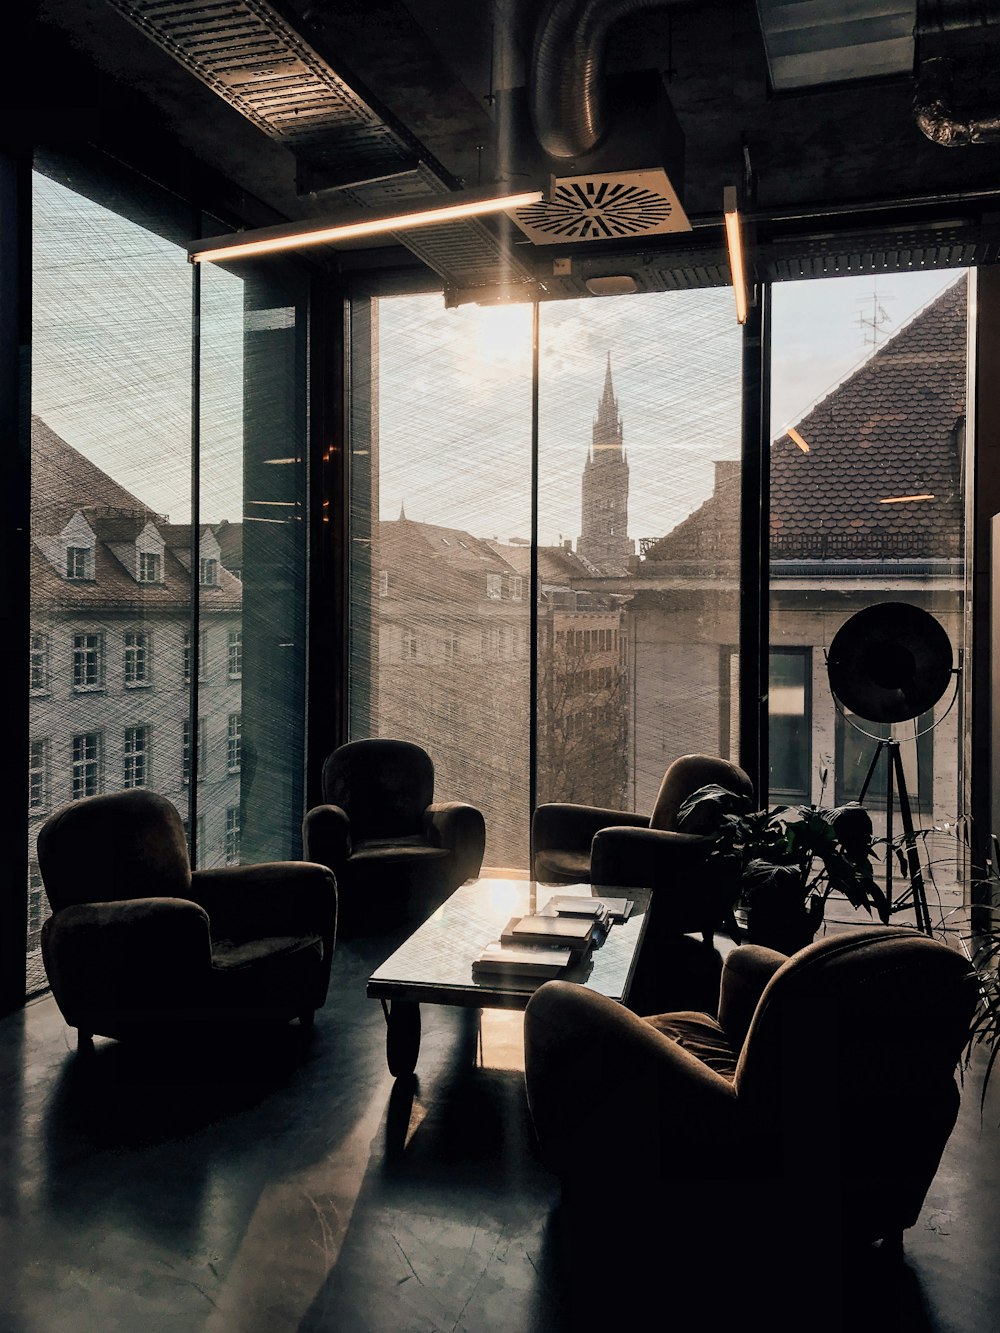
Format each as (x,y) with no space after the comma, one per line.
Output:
(734,244)
(292,236)
(904,499)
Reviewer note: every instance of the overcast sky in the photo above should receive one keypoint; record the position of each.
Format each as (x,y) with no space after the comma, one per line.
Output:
(111,373)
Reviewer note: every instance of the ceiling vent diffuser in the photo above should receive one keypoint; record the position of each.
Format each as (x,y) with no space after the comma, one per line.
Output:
(602,206)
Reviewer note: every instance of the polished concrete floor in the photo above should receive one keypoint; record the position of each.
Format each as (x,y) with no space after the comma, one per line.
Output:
(285,1183)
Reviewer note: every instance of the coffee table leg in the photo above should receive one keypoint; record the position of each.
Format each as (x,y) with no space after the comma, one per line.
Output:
(402,1036)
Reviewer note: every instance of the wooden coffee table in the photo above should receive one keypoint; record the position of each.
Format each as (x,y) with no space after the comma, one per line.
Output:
(434,966)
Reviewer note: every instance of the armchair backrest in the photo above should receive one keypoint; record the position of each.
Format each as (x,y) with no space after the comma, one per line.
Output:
(685,775)
(127,844)
(384,786)
(852,1050)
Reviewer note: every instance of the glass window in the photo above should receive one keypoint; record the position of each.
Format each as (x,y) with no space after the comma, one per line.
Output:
(38,774)
(208,571)
(79,562)
(186,749)
(137,658)
(868,475)
(494,585)
(136,757)
(232,843)
(233,743)
(39,664)
(150,567)
(639,538)
(88,756)
(88,661)
(234,654)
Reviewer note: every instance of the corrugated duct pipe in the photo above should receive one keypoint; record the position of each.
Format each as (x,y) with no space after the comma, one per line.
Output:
(933,107)
(566,75)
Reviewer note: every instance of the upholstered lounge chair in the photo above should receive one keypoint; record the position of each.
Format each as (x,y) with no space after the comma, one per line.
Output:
(137,940)
(396,852)
(589,844)
(808,1120)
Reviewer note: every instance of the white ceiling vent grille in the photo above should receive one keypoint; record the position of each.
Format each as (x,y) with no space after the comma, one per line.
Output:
(604,206)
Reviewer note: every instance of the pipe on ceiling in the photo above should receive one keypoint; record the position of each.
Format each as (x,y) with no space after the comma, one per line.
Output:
(566,92)
(933,107)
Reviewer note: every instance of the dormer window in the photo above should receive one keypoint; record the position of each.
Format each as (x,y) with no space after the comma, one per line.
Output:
(494,585)
(79,562)
(383,583)
(208,571)
(150,567)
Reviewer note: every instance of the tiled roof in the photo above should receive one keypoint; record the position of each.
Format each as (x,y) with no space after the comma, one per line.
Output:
(894,428)
(64,483)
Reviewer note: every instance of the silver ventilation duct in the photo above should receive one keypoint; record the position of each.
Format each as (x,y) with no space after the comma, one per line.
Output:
(566,82)
(934,108)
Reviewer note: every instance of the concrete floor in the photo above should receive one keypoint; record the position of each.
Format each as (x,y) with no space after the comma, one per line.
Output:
(284,1183)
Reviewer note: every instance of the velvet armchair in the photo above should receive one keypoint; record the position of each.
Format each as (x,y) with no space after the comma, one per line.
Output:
(395,852)
(806,1121)
(137,940)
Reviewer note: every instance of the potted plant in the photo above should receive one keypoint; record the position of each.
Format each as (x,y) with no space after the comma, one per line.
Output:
(785,861)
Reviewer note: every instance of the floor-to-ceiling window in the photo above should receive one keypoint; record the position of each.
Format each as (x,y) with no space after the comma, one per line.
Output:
(143,553)
(636,544)
(868,479)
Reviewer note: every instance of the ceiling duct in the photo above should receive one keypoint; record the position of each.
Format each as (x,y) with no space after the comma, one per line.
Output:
(611,149)
(249,55)
(957,97)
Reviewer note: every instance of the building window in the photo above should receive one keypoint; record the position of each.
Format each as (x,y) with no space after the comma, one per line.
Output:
(208,571)
(789,728)
(408,644)
(150,567)
(136,750)
(383,583)
(234,655)
(234,742)
(494,586)
(202,657)
(86,769)
(137,659)
(452,647)
(88,661)
(516,588)
(186,750)
(232,835)
(856,745)
(39,664)
(79,562)
(38,774)
(36,906)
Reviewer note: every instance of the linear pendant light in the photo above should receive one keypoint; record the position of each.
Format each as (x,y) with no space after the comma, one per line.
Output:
(431,211)
(734,244)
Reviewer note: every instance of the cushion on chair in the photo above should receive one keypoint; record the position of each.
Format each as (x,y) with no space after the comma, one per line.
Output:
(565,866)
(702,1037)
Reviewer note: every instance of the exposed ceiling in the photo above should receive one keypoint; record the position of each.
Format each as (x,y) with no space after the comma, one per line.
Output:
(317,107)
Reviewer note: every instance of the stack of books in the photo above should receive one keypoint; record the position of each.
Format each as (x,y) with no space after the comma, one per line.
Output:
(576,933)
(539,946)
(520,963)
(606,911)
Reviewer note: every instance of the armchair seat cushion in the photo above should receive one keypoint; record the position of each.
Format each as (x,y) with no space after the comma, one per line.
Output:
(566,866)
(702,1037)
(403,850)
(229,955)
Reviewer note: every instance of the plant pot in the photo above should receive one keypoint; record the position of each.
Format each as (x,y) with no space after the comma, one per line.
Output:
(780,914)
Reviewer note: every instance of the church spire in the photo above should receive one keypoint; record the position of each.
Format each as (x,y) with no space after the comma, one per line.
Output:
(607,423)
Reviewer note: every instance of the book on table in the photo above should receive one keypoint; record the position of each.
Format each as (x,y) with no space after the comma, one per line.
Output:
(530,960)
(602,908)
(576,933)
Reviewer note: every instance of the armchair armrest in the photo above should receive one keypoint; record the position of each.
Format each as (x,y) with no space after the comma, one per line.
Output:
(561,825)
(593,1067)
(133,957)
(462,828)
(326,837)
(745,975)
(275,898)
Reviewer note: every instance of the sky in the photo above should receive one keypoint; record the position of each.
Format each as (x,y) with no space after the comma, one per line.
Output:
(111,373)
